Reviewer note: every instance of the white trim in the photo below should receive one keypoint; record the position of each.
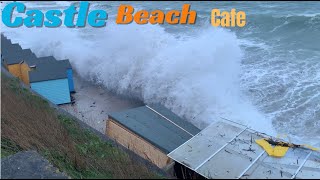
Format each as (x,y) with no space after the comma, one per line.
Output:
(243,172)
(304,161)
(169,120)
(249,128)
(219,150)
(189,140)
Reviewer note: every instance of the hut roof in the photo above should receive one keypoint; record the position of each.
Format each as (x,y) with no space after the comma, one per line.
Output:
(66,63)
(41,60)
(49,59)
(48,71)
(4,39)
(157,125)
(8,48)
(15,54)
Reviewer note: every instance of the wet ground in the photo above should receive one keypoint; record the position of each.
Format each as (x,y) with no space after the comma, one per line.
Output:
(93,103)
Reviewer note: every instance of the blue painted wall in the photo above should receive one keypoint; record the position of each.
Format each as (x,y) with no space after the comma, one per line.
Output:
(56,91)
(70,79)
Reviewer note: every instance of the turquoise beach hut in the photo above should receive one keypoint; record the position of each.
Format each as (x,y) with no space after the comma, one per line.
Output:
(61,63)
(68,66)
(51,81)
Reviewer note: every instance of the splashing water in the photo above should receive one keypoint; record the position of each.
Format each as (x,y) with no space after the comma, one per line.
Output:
(252,75)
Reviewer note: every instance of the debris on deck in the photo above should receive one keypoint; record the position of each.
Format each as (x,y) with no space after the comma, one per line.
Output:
(227,150)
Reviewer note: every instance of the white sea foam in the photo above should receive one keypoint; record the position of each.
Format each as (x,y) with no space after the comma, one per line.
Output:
(197,77)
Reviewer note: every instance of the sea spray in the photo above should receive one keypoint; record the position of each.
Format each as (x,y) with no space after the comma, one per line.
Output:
(196,77)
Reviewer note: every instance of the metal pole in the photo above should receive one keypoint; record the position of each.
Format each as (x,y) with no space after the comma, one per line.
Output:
(219,150)
(305,160)
(251,165)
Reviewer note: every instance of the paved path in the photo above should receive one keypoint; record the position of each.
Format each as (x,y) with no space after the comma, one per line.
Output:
(29,165)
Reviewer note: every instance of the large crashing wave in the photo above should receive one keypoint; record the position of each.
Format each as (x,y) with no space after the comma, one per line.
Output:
(196,77)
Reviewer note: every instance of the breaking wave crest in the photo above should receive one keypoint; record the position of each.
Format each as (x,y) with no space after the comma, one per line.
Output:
(196,77)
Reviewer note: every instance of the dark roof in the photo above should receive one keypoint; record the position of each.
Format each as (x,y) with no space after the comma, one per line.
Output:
(15,55)
(66,63)
(50,59)
(154,128)
(47,68)
(5,40)
(3,36)
(40,60)
(48,71)
(7,48)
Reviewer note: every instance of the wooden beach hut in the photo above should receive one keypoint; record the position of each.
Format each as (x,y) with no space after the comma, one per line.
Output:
(66,64)
(15,59)
(51,81)
(17,64)
(70,74)
(151,131)
(61,63)
(50,78)
(4,40)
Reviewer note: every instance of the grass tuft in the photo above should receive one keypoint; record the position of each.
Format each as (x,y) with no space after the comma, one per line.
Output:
(9,147)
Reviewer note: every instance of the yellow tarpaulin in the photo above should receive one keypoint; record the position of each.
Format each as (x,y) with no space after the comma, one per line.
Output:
(281,148)
(310,147)
(277,151)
